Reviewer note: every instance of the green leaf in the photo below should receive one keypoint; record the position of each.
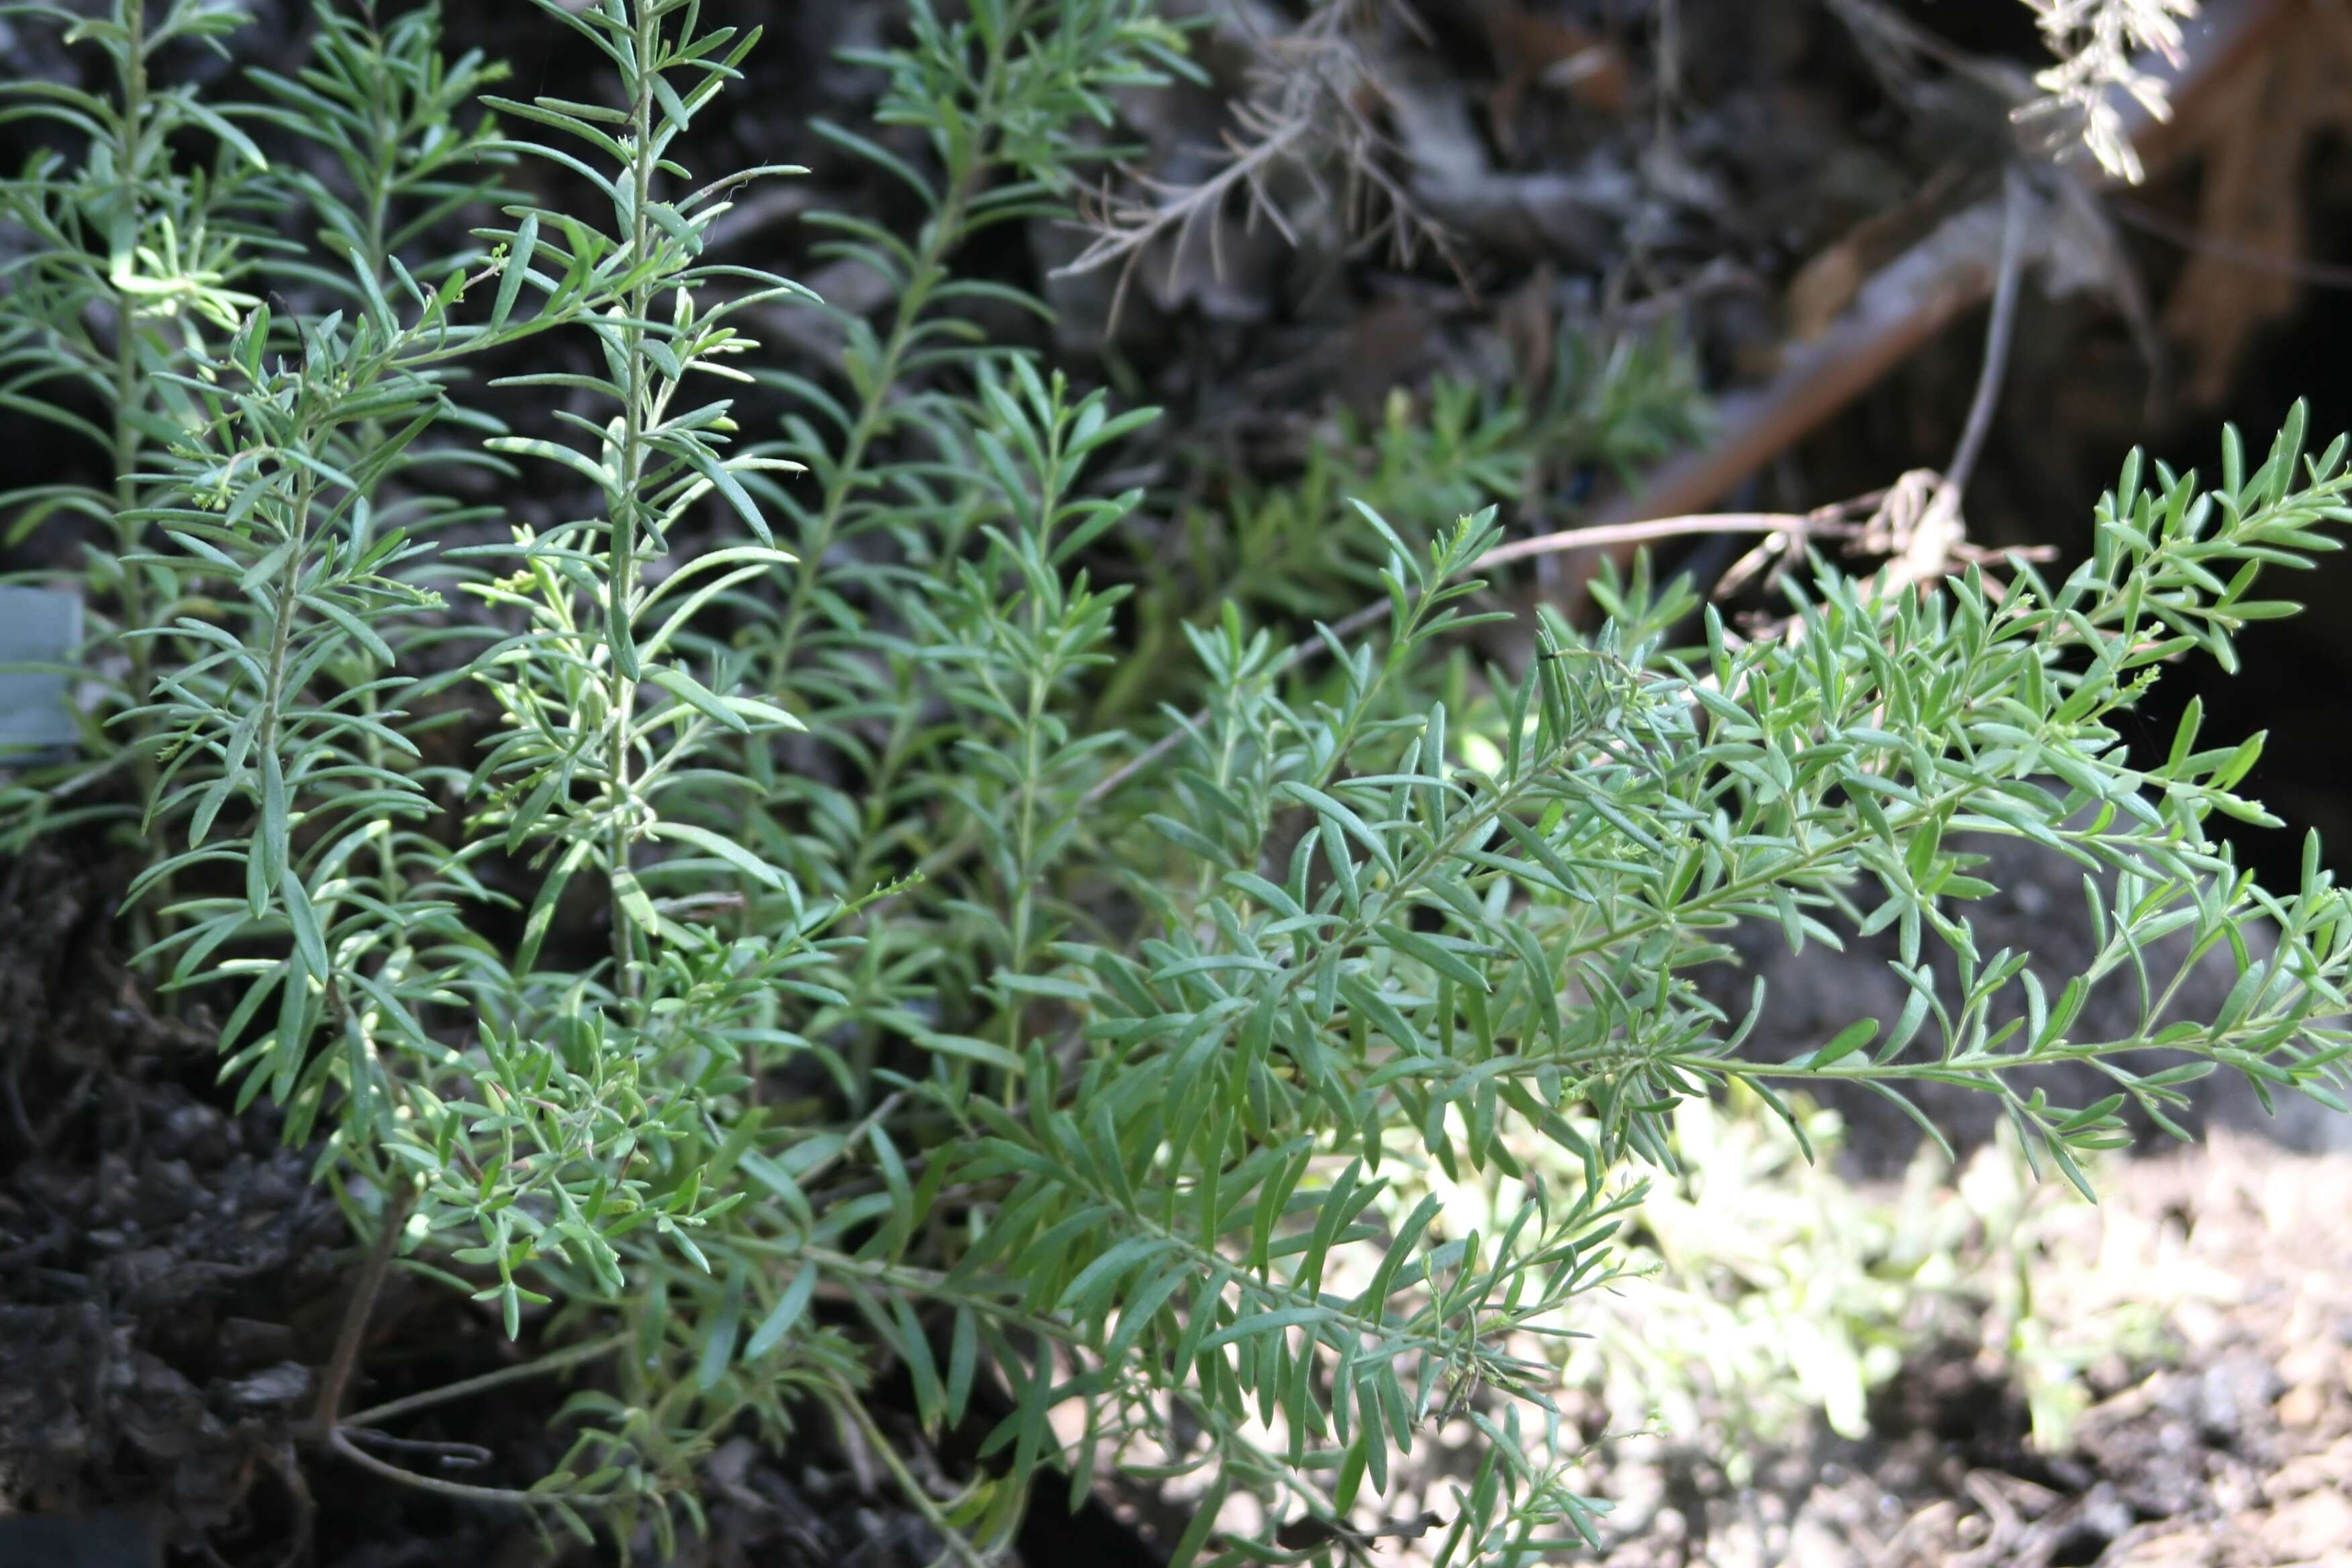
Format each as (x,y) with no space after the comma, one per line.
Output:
(532,446)
(972,1049)
(630,894)
(1849,1039)
(1264,1323)
(718,1337)
(964,1360)
(1324,805)
(760,712)
(726,849)
(695,695)
(698,458)
(1202,1522)
(305,921)
(273,842)
(1426,950)
(515,266)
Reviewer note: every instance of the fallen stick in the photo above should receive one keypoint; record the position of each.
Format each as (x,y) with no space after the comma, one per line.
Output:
(1914,297)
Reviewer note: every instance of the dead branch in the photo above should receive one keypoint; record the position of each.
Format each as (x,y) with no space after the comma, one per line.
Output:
(1912,299)
(1309,105)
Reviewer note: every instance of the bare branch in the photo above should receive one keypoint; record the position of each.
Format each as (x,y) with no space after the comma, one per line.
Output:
(1308,107)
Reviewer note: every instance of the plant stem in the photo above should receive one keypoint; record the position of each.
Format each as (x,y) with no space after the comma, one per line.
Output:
(939,237)
(127,401)
(281,628)
(911,1489)
(126,371)
(542,1366)
(342,1443)
(622,570)
(363,1307)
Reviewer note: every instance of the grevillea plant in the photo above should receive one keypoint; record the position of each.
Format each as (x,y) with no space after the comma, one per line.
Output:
(820,967)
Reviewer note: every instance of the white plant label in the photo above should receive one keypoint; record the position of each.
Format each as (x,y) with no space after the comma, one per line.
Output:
(39,632)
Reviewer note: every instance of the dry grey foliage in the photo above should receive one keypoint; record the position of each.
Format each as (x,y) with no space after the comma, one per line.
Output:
(1308,112)
(2103,47)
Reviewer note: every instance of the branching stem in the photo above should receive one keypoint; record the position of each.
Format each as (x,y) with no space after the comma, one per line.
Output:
(347,1338)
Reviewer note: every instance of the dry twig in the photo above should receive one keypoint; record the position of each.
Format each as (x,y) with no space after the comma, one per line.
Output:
(1911,300)
(1310,104)
(1922,539)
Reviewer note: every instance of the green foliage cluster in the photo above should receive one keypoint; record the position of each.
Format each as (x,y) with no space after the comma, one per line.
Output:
(1294,546)
(917,1029)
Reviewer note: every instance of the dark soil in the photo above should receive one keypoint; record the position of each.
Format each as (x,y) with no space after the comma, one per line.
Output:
(172,1281)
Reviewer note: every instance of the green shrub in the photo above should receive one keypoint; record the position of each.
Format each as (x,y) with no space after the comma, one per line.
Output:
(928,1019)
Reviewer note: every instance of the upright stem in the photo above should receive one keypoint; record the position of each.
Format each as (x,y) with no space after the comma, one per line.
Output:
(126,367)
(938,237)
(281,629)
(542,1366)
(129,397)
(908,1486)
(363,1306)
(1027,872)
(378,199)
(622,570)
(383,176)
(938,240)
